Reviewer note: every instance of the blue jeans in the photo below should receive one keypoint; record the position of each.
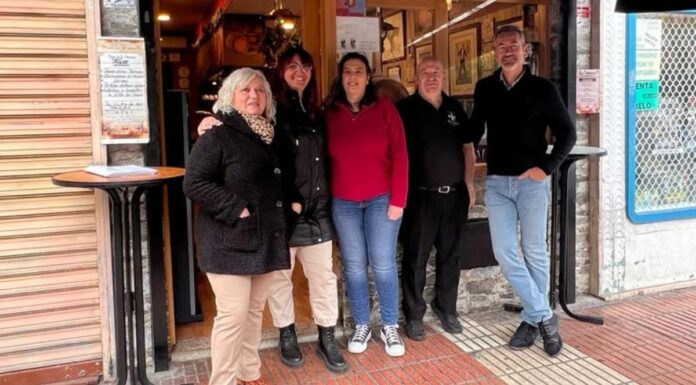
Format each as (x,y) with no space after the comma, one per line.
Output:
(510,200)
(367,236)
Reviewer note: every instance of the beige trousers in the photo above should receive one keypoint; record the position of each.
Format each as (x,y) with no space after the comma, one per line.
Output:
(234,345)
(323,294)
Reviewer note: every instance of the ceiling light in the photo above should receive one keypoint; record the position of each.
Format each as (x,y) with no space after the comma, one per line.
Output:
(283,16)
(164,17)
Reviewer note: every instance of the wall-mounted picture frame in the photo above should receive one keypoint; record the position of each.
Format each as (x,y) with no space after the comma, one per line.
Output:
(394,37)
(421,52)
(464,51)
(394,72)
(409,72)
(516,21)
(423,20)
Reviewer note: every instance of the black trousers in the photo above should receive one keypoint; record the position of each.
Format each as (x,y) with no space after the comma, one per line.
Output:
(432,219)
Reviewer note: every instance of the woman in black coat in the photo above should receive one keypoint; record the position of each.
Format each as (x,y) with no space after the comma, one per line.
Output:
(300,144)
(234,176)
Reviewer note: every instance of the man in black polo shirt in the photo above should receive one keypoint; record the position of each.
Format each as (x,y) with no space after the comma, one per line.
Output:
(517,107)
(441,175)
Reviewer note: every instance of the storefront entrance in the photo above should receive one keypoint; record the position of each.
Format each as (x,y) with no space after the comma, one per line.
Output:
(201,44)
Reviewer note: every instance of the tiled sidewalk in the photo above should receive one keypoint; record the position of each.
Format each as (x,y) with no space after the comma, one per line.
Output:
(645,340)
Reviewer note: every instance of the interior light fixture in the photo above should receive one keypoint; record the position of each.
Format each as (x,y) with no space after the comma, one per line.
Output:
(164,17)
(283,16)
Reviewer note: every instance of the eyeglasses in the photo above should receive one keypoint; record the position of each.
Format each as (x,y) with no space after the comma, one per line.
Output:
(297,67)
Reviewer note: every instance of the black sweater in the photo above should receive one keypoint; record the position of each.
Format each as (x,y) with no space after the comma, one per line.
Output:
(516,120)
(231,169)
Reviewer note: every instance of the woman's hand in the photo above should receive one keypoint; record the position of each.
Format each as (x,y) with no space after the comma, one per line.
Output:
(394,212)
(245,213)
(207,123)
(296,207)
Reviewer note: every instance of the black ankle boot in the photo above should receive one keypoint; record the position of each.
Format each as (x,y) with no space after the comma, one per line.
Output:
(328,351)
(290,352)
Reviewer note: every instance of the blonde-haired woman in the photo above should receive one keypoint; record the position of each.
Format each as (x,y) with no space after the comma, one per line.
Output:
(234,176)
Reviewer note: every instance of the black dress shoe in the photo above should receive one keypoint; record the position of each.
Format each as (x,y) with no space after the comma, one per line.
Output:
(328,351)
(553,344)
(290,352)
(524,336)
(415,330)
(449,321)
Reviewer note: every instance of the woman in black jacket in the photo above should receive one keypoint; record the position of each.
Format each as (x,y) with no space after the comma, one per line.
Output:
(234,175)
(300,144)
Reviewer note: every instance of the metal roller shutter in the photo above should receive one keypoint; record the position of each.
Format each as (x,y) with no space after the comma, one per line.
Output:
(49,286)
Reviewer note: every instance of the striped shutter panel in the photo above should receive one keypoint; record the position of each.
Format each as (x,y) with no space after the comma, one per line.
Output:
(49,288)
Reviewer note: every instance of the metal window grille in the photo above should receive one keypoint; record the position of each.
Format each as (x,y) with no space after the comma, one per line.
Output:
(662,125)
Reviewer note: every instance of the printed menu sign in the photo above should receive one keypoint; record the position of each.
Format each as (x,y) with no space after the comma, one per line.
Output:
(123,82)
(587,91)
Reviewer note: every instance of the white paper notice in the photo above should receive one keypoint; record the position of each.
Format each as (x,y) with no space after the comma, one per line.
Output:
(119,3)
(647,65)
(649,34)
(357,34)
(587,92)
(123,80)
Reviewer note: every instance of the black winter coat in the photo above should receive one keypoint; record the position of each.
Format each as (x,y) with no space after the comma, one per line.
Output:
(231,168)
(300,141)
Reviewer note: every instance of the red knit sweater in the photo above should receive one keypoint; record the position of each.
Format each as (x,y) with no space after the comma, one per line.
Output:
(367,152)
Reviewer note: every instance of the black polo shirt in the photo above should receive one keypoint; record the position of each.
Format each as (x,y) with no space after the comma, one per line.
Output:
(434,138)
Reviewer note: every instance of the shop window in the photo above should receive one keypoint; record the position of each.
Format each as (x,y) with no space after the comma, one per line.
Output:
(661,117)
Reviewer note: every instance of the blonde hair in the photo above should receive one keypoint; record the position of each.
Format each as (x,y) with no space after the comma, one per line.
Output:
(239,79)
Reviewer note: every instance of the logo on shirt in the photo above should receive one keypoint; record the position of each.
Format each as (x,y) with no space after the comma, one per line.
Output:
(452,119)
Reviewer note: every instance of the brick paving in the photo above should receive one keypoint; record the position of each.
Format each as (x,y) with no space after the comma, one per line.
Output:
(645,340)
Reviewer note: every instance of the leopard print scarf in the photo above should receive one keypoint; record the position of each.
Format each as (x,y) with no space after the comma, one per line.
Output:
(262,127)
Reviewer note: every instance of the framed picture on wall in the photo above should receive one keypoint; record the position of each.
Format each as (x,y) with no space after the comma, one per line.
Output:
(516,21)
(423,51)
(422,21)
(393,37)
(394,72)
(464,50)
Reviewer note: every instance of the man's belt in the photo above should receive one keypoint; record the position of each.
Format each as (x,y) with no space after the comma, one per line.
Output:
(439,189)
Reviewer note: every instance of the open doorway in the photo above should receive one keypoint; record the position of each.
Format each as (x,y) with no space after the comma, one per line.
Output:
(201,43)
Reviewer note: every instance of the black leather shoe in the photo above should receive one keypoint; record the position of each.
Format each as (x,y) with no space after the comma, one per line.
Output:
(449,321)
(328,351)
(415,330)
(549,334)
(290,352)
(524,336)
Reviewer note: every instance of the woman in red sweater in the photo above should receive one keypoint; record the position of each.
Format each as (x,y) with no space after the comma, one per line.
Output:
(369,179)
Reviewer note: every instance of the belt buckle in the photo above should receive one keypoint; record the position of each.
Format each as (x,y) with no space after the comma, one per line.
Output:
(443,189)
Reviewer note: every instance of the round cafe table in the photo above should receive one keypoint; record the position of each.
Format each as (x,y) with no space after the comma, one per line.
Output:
(563,191)
(124,193)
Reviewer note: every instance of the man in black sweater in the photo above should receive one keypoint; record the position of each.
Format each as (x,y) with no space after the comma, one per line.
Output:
(517,107)
(441,189)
